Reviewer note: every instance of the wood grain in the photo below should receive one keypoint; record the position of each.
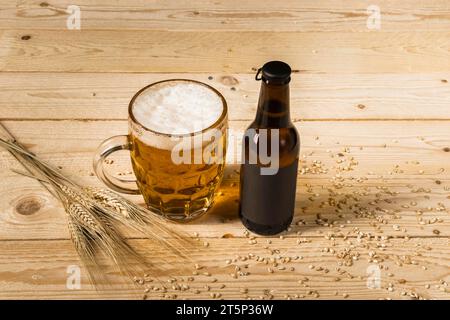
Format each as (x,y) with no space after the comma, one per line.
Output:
(27,273)
(162,51)
(288,15)
(371,107)
(100,96)
(70,145)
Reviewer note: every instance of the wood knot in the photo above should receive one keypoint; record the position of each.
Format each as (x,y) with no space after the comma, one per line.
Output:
(446,149)
(361,106)
(44,4)
(26,37)
(229,80)
(444,80)
(28,205)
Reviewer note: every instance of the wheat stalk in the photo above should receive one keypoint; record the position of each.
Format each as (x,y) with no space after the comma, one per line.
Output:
(84,217)
(92,216)
(109,199)
(141,218)
(85,249)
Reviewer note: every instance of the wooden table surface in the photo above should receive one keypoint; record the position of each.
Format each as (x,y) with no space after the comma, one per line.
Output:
(372,107)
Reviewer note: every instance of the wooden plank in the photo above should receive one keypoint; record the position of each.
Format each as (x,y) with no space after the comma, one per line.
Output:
(252,15)
(228,52)
(29,212)
(313,96)
(38,269)
(387,159)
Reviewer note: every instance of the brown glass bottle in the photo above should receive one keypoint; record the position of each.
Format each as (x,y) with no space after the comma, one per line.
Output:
(267,201)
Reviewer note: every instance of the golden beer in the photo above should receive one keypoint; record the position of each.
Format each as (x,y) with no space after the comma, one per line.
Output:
(177,190)
(177,140)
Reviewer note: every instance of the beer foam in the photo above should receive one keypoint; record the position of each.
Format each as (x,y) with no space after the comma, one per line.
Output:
(177,107)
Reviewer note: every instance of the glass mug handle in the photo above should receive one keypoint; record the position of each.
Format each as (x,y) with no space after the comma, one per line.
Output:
(106,148)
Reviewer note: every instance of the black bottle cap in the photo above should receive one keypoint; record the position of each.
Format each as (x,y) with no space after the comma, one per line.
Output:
(275,72)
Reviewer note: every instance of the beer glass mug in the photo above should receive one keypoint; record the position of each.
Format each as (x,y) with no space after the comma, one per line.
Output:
(177,136)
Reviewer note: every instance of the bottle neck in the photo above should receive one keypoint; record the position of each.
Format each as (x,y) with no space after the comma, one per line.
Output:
(273,106)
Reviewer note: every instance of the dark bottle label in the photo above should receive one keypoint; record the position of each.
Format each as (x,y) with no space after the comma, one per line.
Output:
(268,200)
